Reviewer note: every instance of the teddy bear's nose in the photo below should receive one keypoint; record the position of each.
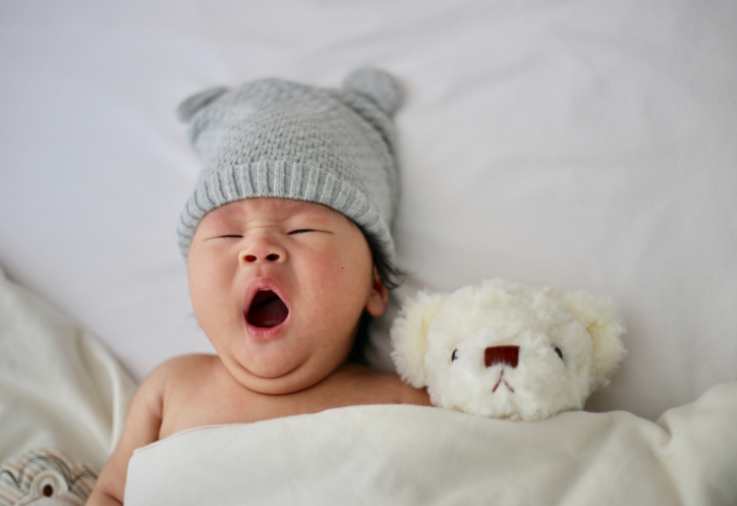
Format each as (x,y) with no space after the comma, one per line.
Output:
(508,355)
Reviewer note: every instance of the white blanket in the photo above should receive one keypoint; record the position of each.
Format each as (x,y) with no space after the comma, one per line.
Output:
(59,386)
(406,455)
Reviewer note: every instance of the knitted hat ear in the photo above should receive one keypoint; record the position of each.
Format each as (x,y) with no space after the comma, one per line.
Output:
(605,326)
(376,85)
(193,104)
(409,336)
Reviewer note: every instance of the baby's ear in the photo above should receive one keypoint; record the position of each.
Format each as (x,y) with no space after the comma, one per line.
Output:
(603,323)
(409,336)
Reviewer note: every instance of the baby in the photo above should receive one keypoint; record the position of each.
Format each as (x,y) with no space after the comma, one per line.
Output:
(289,255)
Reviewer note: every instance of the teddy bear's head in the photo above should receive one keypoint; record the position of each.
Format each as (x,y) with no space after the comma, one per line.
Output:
(505,350)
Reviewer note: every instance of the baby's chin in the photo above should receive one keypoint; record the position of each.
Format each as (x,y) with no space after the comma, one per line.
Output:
(283,379)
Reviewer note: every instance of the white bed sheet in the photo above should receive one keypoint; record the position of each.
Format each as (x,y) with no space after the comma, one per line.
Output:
(412,455)
(59,386)
(583,144)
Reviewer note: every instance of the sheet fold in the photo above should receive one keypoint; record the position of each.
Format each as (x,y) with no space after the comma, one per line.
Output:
(60,387)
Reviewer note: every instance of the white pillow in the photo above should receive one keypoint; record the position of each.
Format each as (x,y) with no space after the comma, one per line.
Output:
(578,144)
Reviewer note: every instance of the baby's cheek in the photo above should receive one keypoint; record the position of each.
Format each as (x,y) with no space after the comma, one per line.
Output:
(340,276)
(215,306)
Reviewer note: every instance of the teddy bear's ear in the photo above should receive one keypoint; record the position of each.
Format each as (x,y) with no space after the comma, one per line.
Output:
(409,336)
(603,323)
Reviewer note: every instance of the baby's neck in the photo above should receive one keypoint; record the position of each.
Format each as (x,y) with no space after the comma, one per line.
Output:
(206,394)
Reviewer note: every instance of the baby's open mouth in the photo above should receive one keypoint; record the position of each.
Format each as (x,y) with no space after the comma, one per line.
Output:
(267,310)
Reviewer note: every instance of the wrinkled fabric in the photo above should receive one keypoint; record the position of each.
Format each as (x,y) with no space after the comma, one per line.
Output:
(59,386)
(413,455)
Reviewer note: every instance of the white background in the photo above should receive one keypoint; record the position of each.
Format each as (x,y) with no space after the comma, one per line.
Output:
(585,144)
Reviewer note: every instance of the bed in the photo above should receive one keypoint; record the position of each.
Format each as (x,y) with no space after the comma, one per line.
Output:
(578,144)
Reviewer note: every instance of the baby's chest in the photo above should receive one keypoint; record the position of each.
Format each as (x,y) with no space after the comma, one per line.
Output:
(216,406)
(203,401)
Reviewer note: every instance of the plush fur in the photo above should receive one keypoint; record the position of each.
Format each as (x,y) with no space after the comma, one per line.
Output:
(569,345)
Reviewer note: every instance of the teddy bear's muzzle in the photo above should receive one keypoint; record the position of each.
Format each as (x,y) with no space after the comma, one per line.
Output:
(505,355)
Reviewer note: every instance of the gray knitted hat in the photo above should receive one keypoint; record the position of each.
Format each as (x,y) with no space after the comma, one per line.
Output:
(274,138)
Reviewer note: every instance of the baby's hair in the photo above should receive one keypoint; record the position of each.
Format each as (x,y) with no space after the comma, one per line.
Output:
(391,277)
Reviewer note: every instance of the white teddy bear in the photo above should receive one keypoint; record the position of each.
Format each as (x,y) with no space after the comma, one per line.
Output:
(505,350)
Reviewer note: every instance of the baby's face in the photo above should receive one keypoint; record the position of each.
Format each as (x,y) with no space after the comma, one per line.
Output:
(278,286)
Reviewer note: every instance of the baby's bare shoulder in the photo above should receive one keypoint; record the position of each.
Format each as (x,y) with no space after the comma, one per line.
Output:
(180,371)
(385,387)
(184,366)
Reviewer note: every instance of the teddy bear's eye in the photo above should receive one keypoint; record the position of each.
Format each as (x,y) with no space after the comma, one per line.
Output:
(454,356)
(557,350)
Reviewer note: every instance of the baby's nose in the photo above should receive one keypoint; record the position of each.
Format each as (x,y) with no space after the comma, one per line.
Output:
(506,355)
(263,250)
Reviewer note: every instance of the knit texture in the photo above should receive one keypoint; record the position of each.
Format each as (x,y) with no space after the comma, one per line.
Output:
(275,138)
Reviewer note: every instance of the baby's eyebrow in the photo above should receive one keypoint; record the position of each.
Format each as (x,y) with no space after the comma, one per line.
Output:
(221,221)
(311,214)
